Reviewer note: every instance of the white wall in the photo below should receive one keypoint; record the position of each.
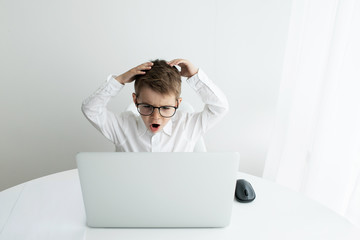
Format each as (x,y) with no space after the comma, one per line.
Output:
(56,53)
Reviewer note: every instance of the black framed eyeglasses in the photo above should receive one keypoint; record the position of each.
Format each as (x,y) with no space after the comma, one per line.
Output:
(147,109)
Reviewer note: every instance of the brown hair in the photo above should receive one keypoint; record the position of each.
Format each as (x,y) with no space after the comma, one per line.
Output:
(161,78)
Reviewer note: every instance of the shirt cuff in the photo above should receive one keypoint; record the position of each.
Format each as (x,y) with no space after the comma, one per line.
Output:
(198,80)
(113,83)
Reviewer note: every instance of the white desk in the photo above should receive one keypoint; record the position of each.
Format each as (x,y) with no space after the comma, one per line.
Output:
(51,208)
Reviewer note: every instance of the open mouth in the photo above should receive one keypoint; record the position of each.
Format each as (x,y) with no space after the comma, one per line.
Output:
(154,127)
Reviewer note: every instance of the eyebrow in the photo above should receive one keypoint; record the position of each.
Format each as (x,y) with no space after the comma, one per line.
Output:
(156,106)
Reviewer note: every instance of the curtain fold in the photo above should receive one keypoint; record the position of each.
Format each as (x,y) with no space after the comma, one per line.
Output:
(315,147)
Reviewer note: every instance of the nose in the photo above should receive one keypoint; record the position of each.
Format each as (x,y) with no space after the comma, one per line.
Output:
(156,114)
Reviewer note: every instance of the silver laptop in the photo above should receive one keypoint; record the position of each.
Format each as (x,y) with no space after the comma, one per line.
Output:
(158,189)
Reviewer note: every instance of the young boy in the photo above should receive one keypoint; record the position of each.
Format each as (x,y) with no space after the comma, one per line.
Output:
(159,127)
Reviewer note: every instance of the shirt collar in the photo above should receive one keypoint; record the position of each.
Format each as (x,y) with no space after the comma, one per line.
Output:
(141,126)
(168,128)
(143,129)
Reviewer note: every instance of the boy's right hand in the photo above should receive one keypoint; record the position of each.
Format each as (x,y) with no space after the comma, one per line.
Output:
(130,75)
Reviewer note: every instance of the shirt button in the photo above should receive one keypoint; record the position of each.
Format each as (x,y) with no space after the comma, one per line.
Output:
(155,140)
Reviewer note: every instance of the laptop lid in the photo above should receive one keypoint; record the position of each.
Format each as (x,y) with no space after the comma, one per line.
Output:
(158,189)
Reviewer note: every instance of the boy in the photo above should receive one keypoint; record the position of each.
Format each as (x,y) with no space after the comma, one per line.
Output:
(159,128)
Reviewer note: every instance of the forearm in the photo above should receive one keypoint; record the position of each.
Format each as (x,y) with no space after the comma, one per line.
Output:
(94,109)
(216,103)
(96,103)
(216,106)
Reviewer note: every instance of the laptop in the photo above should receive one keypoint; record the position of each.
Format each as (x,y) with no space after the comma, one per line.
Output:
(159,190)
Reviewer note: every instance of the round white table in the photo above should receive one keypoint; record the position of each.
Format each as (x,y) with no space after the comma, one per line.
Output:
(51,207)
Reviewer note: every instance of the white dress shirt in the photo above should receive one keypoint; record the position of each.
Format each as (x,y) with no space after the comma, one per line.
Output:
(129,133)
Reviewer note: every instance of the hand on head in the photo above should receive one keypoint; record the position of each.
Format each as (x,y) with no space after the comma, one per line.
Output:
(187,70)
(130,75)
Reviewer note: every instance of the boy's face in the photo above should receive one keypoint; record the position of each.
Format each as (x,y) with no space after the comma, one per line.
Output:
(155,122)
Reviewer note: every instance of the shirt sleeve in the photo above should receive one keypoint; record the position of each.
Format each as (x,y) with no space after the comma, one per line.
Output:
(216,105)
(94,109)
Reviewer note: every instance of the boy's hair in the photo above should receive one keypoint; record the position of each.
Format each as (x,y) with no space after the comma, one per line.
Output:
(161,78)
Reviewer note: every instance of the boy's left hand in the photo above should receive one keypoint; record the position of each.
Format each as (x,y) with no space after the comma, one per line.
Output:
(187,68)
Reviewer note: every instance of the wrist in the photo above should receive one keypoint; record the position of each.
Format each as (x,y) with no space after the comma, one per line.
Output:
(120,79)
(194,72)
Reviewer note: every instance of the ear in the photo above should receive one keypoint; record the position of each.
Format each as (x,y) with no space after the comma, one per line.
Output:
(179,101)
(134,97)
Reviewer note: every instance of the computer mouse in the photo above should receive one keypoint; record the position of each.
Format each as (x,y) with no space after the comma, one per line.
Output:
(244,192)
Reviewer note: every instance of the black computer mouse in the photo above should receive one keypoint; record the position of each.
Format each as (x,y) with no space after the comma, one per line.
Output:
(244,192)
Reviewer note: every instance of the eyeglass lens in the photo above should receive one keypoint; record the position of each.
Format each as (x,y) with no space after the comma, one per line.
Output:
(164,111)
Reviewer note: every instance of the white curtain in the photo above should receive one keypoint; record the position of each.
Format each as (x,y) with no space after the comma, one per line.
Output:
(315,147)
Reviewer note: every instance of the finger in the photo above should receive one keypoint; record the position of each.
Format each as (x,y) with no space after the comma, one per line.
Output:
(137,71)
(144,68)
(147,64)
(179,62)
(174,62)
(144,65)
(140,72)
